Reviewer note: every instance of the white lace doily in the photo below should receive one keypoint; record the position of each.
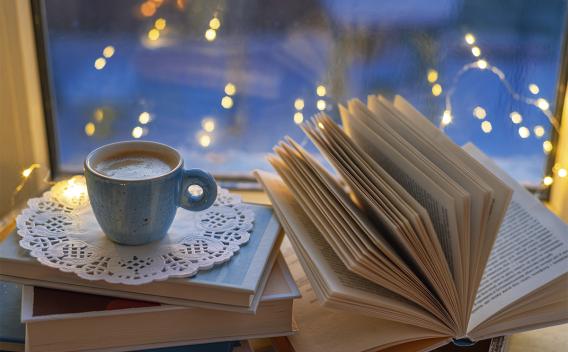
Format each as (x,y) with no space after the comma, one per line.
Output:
(61,231)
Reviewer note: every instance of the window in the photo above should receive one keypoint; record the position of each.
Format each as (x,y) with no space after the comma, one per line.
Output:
(223,81)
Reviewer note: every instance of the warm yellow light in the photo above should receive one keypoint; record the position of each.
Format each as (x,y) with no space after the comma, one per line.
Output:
(108,51)
(547,180)
(74,190)
(547,146)
(320,104)
(479,112)
(210,34)
(27,172)
(524,132)
(227,102)
(160,24)
(205,140)
(562,172)
(100,63)
(482,64)
(144,117)
(298,118)
(436,89)
(321,91)
(90,129)
(538,131)
(486,126)
(99,115)
(230,89)
(533,88)
(208,124)
(432,75)
(469,38)
(516,117)
(148,9)
(154,34)
(137,132)
(299,104)
(446,118)
(476,51)
(215,23)
(320,125)
(542,104)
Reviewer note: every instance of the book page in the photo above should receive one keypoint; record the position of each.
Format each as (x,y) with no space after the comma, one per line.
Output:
(531,250)
(324,267)
(436,200)
(501,192)
(328,330)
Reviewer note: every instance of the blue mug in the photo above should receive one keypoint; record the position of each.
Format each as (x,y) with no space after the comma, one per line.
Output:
(137,211)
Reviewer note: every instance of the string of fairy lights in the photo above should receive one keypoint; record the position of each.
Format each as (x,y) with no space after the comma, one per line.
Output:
(478,112)
(204,136)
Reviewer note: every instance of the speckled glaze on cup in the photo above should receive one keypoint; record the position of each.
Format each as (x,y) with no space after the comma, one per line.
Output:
(136,212)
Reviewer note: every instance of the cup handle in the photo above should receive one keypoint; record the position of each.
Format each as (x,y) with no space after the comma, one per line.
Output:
(207,184)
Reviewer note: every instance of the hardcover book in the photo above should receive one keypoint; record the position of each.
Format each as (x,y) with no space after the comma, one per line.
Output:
(433,239)
(61,321)
(235,285)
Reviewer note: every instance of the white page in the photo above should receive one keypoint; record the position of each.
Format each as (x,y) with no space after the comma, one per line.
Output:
(531,250)
(329,330)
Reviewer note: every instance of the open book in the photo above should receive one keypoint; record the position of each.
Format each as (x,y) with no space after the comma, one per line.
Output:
(416,230)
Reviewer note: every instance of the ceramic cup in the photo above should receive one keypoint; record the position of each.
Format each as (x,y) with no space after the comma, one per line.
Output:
(139,211)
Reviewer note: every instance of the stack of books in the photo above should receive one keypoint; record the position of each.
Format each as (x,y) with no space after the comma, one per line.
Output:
(250,296)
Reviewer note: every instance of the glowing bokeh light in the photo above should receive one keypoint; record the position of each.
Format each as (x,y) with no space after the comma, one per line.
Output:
(562,172)
(476,51)
(230,89)
(542,104)
(160,24)
(298,118)
(208,124)
(539,131)
(137,132)
(547,146)
(99,115)
(299,104)
(144,117)
(486,127)
(320,104)
(524,132)
(227,102)
(516,118)
(436,89)
(469,38)
(547,180)
(214,23)
(432,76)
(446,118)
(479,112)
(148,9)
(533,88)
(210,35)
(205,140)
(90,129)
(108,51)
(482,64)
(154,34)
(100,63)
(321,91)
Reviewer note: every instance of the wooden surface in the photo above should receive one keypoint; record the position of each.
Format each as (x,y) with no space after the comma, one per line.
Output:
(543,340)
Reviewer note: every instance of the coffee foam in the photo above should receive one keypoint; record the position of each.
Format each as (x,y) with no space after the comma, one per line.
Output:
(133,166)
